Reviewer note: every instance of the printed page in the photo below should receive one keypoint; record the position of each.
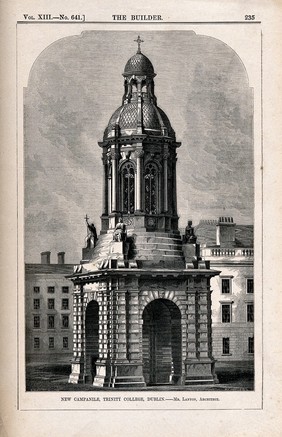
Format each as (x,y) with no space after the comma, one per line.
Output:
(140,200)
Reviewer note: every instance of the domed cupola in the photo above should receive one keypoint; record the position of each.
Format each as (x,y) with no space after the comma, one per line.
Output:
(139,113)
(139,65)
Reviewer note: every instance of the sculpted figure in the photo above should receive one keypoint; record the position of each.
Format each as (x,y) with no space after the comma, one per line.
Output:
(189,236)
(92,234)
(120,231)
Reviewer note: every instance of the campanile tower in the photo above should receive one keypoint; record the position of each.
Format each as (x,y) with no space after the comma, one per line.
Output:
(139,156)
(142,298)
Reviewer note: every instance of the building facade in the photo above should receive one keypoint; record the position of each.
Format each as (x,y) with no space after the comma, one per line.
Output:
(142,300)
(48,311)
(229,248)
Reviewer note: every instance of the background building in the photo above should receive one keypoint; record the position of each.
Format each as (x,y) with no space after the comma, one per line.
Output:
(48,309)
(229,248)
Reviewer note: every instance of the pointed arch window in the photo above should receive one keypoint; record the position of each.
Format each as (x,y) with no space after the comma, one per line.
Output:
(127,188)
(151,188)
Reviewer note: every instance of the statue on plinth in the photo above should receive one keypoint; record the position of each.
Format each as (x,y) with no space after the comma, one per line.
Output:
(91,238)
(189,236)
(120,231)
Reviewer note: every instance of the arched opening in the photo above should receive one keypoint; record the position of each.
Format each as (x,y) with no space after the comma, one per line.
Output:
(161,343)
(91,340)
(151,188)
(127,176)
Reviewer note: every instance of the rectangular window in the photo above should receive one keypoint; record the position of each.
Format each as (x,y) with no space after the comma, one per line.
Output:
(36,289)
(36,322)
(51,322)
(225,346)
(250,312)
(65,289)
(36,343)
(65,321)
(51,343)
(51,289)
(250,286)
(225,285)
(226,313)
(65,304)
(65,342)
(51,304)
(36,304)
(251,345)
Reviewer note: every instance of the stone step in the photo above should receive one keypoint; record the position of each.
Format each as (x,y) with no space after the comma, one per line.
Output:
(138,233)
(160,246)
(157,252)
(158,257)
(154,235)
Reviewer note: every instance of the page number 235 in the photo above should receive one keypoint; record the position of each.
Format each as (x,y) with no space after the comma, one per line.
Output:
(250,17)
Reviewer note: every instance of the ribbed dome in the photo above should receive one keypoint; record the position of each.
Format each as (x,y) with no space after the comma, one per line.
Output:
(154,120)
(139,65)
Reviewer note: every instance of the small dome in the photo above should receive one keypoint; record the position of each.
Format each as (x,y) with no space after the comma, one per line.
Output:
(154,120)
(139,65)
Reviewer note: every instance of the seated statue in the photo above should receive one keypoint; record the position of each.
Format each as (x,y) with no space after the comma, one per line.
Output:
(120,231)
(189,236)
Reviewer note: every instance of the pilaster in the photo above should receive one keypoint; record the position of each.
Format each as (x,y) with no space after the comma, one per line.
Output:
(78,362)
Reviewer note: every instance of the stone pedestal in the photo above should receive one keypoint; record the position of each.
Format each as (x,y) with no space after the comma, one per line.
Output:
(119,374)
(77,373)
(200,371)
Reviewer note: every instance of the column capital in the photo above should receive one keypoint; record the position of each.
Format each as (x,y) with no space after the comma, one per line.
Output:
(139,152)
(104,159)
(114,154)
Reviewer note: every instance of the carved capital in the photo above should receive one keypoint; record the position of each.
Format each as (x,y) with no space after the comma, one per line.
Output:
(139,79)
(104,158)
(114,154)
(139,153)
(109,158)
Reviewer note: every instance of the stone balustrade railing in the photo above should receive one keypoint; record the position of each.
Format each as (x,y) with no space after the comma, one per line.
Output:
(224,252)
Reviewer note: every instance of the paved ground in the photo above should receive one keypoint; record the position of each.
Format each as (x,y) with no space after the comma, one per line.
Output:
(55,378)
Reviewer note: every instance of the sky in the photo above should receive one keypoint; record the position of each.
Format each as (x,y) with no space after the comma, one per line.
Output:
(76,84)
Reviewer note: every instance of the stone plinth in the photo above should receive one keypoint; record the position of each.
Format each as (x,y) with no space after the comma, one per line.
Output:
(199,371)
(118,375)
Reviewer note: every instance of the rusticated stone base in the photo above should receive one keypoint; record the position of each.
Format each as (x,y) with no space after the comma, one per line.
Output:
(119,375)
(200,372)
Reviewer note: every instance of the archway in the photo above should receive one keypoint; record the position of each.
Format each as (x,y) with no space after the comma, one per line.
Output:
(91,340)
(161,343)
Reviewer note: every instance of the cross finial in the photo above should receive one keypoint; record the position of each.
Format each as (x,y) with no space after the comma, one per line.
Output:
(138,40)
(86,218)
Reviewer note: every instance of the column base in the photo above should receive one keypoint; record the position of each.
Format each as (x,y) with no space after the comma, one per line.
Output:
(77,373)
(119,375)
(200,372)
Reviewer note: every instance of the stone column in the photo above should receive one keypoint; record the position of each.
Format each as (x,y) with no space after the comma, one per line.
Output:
(165,156)
(138,191)
(139,106)
(120,320)
(105,186)
(199,365)
(174,194)
(114,193)
(102,364)
(191,345)
(77,364)
(133,326)
(119,363)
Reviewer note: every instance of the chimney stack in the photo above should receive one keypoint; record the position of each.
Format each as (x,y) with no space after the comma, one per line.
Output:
(225,232)
(45,257)
(61,257)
